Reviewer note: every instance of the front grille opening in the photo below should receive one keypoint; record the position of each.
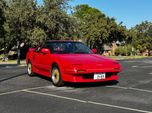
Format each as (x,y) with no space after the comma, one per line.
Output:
(88,76)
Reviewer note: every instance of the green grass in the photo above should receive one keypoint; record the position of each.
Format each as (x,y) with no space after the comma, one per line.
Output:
(1,55)
(15,60)
(128,57)
(12,62)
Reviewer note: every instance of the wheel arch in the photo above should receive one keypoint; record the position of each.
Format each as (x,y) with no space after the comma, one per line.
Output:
(54,63)
(28,60)
(59,66)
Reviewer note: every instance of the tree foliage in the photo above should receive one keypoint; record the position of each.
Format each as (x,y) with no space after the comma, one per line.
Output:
(54,20)
(29,23)
(96,28)
(20,19)
(2,20)
(143,38)
(38,36)
(25,20)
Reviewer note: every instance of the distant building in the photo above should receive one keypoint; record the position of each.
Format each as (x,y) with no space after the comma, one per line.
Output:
(109,49)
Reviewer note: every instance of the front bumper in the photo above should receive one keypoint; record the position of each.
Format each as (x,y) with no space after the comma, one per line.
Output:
(86,74)
(77,71)
(82,78)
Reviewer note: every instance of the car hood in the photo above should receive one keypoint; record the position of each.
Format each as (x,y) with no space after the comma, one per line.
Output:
(85,59)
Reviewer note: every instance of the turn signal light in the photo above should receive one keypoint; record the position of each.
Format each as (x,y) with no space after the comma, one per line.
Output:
(80,71)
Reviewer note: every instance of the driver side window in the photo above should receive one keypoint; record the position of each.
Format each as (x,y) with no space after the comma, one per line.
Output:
(38,49)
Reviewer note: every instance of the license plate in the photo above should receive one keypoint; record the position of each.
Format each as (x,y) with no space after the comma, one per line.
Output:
(99,76)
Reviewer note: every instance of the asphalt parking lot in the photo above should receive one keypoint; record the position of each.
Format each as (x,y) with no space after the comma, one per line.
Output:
(20,93)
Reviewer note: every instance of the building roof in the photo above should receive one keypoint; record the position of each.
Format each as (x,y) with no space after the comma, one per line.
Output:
(107,47)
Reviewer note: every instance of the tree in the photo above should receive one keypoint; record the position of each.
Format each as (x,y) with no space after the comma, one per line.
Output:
(20,18)
(37,37)
(24,19)
(143,39)
(92,25)
(53,19)
(117,32)
(97,29)
(2,21)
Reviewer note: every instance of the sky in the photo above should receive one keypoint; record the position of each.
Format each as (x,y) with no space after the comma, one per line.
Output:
(130,12)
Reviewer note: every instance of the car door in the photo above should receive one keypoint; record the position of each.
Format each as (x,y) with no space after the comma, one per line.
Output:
(37,59)
(46,61)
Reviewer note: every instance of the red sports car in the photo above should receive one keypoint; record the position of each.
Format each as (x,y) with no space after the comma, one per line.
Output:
(70,61)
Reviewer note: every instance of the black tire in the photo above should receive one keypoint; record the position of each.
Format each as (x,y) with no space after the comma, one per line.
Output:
(29,69)
(56,76)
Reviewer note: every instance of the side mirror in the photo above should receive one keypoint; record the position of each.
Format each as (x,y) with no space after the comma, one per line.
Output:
(31,49)
(94,51)
(45,51)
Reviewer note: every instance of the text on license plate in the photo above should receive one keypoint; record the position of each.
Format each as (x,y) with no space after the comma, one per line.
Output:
(98,76)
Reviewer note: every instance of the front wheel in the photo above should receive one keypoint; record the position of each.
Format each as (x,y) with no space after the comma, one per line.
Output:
(29,69)
(56,76)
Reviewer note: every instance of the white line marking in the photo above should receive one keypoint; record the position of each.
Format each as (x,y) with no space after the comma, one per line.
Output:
(145,66)
(134,66)
(52,95)
(120,107)
(88,102)
(35,88)
(130,88)
(11,92)
(17,91)
(143,90)
(119,87)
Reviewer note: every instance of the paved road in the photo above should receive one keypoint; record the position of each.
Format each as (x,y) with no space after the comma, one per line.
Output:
(22,94)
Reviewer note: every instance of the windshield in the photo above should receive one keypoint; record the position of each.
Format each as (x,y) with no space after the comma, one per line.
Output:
(68,48)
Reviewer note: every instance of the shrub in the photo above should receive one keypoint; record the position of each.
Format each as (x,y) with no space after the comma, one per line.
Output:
(124,50)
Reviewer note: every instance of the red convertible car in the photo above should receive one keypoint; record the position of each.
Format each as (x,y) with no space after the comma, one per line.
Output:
(70,61)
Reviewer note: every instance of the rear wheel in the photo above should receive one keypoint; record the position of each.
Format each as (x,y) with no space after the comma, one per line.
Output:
(29,69)
(56,76)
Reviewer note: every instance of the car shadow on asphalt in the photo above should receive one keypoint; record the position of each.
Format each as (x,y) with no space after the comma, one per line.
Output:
(12,77)
(5,65)
(11,65)
(87,85)
(81,85)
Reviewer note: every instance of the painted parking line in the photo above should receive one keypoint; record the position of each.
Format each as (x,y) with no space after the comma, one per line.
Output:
(10,92)
(119,107)
(87,102)
(18,91)
(131,88)
(136,66)
(150,73)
